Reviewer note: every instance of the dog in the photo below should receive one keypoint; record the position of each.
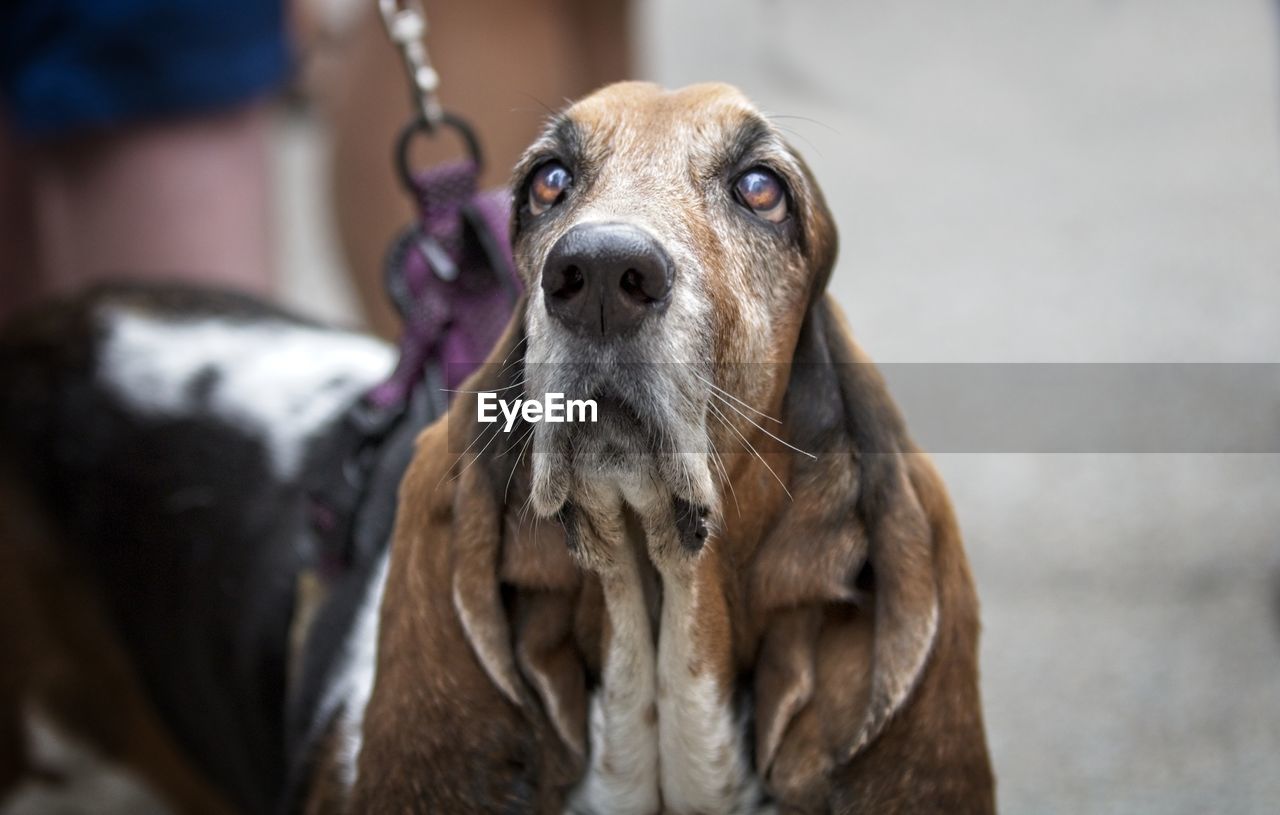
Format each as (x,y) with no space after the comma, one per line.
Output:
(635,620)
(742,589)
(155,451)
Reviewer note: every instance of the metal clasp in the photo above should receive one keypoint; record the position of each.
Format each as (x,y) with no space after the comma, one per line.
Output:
(406,25)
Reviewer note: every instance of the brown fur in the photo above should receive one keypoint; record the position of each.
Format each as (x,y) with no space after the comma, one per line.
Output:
(848,608)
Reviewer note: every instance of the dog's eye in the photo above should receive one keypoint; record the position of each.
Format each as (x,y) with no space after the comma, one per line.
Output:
(761,191)
(548,186)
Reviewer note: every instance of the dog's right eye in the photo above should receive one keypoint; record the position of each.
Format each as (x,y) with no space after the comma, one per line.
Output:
(761,191)
(548,186)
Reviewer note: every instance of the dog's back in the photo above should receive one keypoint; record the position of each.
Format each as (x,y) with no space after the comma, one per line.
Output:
(153,451)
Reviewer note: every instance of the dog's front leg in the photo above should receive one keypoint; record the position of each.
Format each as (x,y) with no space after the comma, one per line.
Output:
(623,773)
(704,766)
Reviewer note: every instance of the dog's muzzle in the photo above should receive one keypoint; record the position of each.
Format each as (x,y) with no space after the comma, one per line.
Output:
(603,280)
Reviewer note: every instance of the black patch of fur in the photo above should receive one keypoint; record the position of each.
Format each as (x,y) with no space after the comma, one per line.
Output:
(838,405)
(745,142)
(201,386)
(568,518)
(691,523)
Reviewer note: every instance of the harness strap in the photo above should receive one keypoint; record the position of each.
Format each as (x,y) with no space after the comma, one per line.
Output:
(451,277)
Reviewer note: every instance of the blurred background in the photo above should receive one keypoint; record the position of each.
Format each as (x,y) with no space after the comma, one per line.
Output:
(1085,181)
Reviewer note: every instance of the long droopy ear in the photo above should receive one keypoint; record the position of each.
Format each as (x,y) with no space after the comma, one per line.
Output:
(475,540)
(514,584)
(843,586)
(477,681)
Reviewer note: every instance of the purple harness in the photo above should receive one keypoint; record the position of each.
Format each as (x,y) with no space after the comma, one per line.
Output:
(450,275)
(452,278)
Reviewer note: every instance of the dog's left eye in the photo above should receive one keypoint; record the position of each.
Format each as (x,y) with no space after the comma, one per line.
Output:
(762,192)
(548,186)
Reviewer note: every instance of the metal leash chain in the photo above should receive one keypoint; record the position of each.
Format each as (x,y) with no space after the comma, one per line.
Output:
(406,24)
(450,276)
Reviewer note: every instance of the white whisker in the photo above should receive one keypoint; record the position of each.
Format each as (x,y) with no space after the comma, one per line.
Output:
(753,450)
(491,390)
(497,428)
(719,390)
(766,432)
(724,476)
(528,437)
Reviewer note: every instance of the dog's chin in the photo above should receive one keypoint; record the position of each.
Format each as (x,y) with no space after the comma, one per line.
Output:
(621,454)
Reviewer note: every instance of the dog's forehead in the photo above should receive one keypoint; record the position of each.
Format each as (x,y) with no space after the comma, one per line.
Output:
(650,114)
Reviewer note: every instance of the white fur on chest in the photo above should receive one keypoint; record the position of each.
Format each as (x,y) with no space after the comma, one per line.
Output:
(663,737)
(274,379)
(351,688)
(702,740)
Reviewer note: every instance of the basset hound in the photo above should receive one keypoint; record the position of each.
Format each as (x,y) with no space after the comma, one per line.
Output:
(741,589)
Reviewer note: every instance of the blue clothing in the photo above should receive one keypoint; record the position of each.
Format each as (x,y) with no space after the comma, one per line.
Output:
(69,65)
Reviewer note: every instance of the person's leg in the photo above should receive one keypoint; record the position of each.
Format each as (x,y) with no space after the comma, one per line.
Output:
(136,142)
(504,66)
(184,200)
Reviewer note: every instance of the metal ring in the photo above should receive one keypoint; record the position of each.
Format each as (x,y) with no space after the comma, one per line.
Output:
(422,125)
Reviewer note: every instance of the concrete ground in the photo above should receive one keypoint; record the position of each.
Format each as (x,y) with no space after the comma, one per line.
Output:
(1079,181)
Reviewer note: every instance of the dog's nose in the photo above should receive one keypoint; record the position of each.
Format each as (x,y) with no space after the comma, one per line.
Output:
(604,279)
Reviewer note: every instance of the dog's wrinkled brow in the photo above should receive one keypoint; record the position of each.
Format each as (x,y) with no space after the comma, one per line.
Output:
(566,138)
(562,140)
(753,134)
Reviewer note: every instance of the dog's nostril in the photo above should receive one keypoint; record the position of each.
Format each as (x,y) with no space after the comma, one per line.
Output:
(645,285)
(570,283)
(573,281)
(633,285)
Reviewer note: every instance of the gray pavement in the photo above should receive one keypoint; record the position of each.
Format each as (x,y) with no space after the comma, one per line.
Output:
(1080,181)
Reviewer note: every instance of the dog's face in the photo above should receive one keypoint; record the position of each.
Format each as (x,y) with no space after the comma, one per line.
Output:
(665,239)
